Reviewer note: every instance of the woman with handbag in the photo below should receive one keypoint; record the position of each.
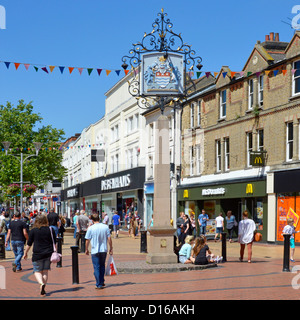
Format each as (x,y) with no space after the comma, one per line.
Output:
(43,239)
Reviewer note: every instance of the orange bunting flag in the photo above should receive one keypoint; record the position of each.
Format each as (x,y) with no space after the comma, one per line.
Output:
(232,74)
(71,69)
(216,74)
(51,68)
(126,72)
(267,72)
(108,72)
(284,72)
(17,65)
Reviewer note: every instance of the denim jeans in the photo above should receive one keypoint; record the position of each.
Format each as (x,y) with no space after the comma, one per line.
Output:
(203,230)
(18,249)
(98,261)
(55,228)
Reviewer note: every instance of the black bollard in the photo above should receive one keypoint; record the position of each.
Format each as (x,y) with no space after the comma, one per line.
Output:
(143,241)
(75,266)
(224,255)
(2,246)
(82,237)
(59,250)
(286,253)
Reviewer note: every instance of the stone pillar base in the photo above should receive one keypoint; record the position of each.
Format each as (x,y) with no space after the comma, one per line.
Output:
(161,249)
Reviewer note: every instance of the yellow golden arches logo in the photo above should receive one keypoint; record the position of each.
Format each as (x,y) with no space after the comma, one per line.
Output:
(185,193)
(258,160)
(249,188)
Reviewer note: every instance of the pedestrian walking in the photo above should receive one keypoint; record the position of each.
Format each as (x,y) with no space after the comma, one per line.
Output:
(133,225)
(98,235)
(290,229)
(230,224)
(116,224)
(219,226)
(105,218)
(202,220)
(74,222)
(247,228)
(17,231)
(53,220)
(41,239)
(82,224)
(4,228)
(193,230)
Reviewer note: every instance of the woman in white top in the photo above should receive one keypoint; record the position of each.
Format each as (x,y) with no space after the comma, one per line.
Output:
(246,235)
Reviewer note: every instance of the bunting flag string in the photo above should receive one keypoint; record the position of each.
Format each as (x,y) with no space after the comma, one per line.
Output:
(56,148)
(47,68)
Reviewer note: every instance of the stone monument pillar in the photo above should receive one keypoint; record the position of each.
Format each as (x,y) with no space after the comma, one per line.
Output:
(161,246)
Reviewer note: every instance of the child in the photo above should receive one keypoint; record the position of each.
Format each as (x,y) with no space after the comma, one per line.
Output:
(186,249)
(290,229)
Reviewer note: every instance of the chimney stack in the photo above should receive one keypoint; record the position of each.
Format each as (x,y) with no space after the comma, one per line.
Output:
(267,38)
(276,36)
(271,36)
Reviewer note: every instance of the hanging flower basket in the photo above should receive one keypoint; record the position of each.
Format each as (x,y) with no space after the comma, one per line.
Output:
(28,190)
(13,189)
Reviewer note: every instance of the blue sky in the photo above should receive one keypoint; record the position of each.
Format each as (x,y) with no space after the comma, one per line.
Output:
(97,33)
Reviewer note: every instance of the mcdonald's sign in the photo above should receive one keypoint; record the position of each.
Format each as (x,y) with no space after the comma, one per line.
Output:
(257,159)
(186,193)
(249,188)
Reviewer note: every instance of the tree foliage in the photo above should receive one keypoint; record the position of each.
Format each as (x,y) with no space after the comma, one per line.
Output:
(19,125)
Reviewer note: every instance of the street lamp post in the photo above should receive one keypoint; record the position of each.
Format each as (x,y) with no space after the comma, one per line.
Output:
(161,66)
(22,159)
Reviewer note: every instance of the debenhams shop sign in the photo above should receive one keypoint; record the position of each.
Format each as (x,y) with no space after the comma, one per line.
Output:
(116,182)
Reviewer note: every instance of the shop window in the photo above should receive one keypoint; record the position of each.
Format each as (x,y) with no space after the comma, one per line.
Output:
(258,214)
(288,206)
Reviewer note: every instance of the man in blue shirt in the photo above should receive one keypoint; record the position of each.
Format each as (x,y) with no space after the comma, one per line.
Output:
(116,224)
(98,235)
(202,220)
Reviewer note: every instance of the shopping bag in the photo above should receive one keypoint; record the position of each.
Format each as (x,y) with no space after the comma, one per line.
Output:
(111,269)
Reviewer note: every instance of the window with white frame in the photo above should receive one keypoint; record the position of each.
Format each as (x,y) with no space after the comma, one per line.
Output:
(191,161)
(114,133)
(296,78)
(192,111)
(151,134)
(227,154)
(218,155)
(170,128)
(223,104)
(130,158)
(151,167)
(289,141)
(249,148)
(199,114)
(132,123)
(260,140)
(261,90)
(250,94)
(198,159)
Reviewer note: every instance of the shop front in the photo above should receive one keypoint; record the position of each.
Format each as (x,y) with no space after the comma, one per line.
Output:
(70,200)
(235,196)
(287,191)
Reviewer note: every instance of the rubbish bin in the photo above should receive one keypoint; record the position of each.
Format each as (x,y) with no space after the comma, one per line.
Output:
(2,245)
(143,241)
